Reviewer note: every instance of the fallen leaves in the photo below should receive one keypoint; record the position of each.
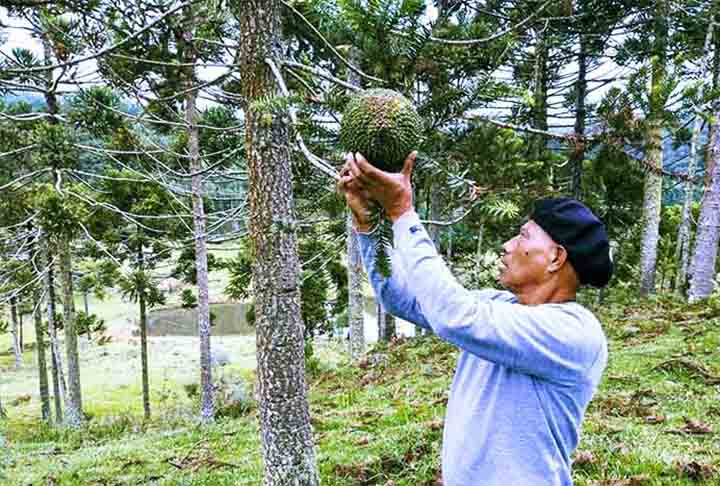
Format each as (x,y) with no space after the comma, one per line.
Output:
(584,457)
(693,427)
(639,480)
(654,419)
(696,471)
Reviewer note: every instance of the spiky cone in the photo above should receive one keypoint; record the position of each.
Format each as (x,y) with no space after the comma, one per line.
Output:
(383,126)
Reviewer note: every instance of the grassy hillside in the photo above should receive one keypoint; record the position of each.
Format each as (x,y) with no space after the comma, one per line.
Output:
(654,420)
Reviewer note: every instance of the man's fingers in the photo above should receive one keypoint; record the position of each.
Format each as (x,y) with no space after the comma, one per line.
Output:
(409,164)
(366,167)
(359,173)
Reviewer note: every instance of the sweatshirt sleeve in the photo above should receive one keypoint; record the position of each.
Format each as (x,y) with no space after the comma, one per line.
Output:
(557,342)
(391,292)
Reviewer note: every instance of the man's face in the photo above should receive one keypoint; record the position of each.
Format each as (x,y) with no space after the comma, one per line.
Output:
(526,257)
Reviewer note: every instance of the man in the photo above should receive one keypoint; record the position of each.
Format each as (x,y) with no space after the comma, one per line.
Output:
(531,358)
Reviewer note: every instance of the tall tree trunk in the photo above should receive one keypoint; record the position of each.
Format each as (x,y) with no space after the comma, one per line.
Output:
(86,305)
(286,432)
(386,324)
(434,202)
(356,313)
(207,412)
(20,334)
(380,321)
(652,203)
(682,250)
(540,92)
(73,400)
(578,155)
(143,339)
(59,389)
(355,309)
(709,158)
(57,369)
(15,333)
(708,235)
(3,413)
(40,347)
(389,327)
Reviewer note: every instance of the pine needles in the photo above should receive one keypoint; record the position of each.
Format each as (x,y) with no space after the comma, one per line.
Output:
(382,230)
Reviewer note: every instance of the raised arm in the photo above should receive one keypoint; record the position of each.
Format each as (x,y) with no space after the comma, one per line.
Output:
(552,341)
(391,292)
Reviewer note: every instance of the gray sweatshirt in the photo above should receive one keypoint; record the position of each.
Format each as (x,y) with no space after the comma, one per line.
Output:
(524,377)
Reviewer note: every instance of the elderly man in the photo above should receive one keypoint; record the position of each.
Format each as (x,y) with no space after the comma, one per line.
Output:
(531,357)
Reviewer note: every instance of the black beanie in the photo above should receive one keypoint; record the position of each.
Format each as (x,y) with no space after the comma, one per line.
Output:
(581,233)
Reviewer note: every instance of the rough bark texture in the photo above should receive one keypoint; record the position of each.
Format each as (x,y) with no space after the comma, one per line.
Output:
(709,159)
(143,339)
(15,333)
(40,350)
(708,235)
(540,92)
(73,399)
(86,305)
(434,203)
(387,327)
(652,202)
(207,408)
(57,369)
(356,320)
(286,433)
(578,155)
(355,309)
(682,250)
(3,413)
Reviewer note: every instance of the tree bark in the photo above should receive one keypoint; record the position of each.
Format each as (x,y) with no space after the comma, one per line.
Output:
(57,369)
(540,93)
(143,339)
(434,202)
(21,337)
(682,250)
(286,432)
(207,409)
(356,304)
(652,203)
(87,313)
(578,155)
(389,326)
(40,348)
(356,315)
(15,333)
(708,235)
(73,400)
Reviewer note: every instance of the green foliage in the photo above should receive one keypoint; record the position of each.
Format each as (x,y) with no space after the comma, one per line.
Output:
(382,230)
(188,299)
(89,323)
(185,267)
(96,110)
(55,146)
(59,215)
(138,283)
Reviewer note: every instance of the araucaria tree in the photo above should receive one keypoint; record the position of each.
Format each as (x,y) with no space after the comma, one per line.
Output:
(287,442)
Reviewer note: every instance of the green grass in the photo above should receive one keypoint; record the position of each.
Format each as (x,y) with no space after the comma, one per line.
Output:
(381,423)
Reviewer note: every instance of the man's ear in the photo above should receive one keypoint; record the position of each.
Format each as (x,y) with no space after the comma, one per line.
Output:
(558,259)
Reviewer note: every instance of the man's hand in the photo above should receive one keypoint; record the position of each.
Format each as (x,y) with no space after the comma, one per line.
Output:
(393,191)
(356,196)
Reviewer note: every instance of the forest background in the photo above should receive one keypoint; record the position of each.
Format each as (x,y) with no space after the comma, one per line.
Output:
(180,158)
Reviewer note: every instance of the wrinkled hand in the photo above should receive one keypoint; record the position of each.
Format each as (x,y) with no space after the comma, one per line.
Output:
(392,190)
(357,198)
